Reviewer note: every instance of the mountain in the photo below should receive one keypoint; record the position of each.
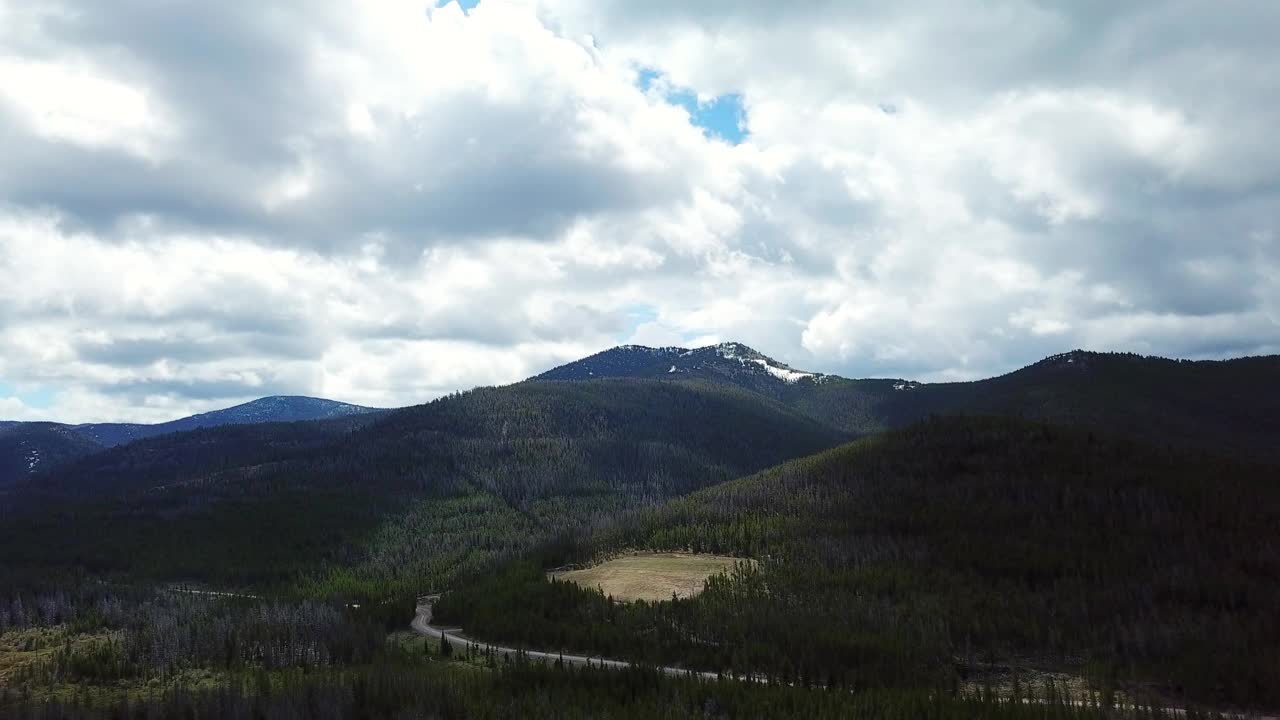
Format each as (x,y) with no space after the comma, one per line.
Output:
(1129,542)
(278,408)
(1208,404)
(731,363)
(560,453)
(26,448)
(512,466)
(56,443)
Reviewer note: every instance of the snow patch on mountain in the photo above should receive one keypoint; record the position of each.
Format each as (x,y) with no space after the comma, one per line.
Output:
(784,374)
(729,361)
(744,355)
(728,351)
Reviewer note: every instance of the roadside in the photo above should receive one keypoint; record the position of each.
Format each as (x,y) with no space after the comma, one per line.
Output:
(422,625)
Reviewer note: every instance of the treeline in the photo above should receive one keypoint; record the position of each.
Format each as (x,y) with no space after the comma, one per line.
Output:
(1208,405)
(402,687)
(944,547)
(736,626)
(115,638)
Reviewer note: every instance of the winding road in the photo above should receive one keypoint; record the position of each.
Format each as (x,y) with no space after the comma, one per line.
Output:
(422,625)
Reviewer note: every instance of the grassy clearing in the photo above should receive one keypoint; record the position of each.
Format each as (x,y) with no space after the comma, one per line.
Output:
(26,653)
(650,576)
(21,649)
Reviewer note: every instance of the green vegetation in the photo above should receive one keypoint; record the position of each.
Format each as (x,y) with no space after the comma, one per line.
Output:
(890,576)
(108,653)
(1210,405)
(363,510)
(918,555)
(402,684)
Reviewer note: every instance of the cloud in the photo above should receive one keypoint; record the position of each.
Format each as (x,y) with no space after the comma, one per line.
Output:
(385,201)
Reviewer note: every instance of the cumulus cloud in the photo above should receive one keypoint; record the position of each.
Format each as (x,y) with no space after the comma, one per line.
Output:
(385,201)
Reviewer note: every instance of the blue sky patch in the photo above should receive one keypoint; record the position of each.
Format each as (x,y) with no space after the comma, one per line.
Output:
(36,397)
(637,315)
(722,117)
(647,78)
(464,4)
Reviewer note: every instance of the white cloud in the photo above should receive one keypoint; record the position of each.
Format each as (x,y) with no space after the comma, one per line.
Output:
(71,102)
(384,201)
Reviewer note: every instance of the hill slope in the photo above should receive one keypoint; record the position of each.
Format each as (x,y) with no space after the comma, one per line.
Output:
(922,553)
(27,448)
(1210,404)
(257,503)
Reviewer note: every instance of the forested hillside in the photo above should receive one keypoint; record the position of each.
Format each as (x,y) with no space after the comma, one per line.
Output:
(1214,405)
(919,555)
(1211,405)
(263,503)
(1131,544)
(28,448)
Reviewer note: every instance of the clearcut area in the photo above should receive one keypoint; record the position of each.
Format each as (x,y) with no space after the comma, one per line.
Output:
(650,576)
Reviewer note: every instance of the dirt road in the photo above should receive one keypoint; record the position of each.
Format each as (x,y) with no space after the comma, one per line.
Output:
(422,625)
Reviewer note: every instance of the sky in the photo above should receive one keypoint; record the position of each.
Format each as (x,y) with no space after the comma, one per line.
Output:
(382,201)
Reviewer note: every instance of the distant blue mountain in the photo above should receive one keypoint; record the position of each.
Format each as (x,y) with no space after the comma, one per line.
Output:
(278,408)
(26,447)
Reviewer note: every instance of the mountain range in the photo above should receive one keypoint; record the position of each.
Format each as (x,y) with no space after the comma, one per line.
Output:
(1211,404)
(1099,513)
(27,447)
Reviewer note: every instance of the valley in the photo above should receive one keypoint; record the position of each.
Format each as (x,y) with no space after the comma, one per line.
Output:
(1081,518)
(624,360)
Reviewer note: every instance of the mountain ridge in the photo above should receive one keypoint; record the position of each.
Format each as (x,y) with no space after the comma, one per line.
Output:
(271,408)
(1210,403)
(726,362)
(901,553)
(28,447)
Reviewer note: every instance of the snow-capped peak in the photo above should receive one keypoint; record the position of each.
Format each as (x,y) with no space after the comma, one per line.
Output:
(728,351)
(745,355)
(731,360)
